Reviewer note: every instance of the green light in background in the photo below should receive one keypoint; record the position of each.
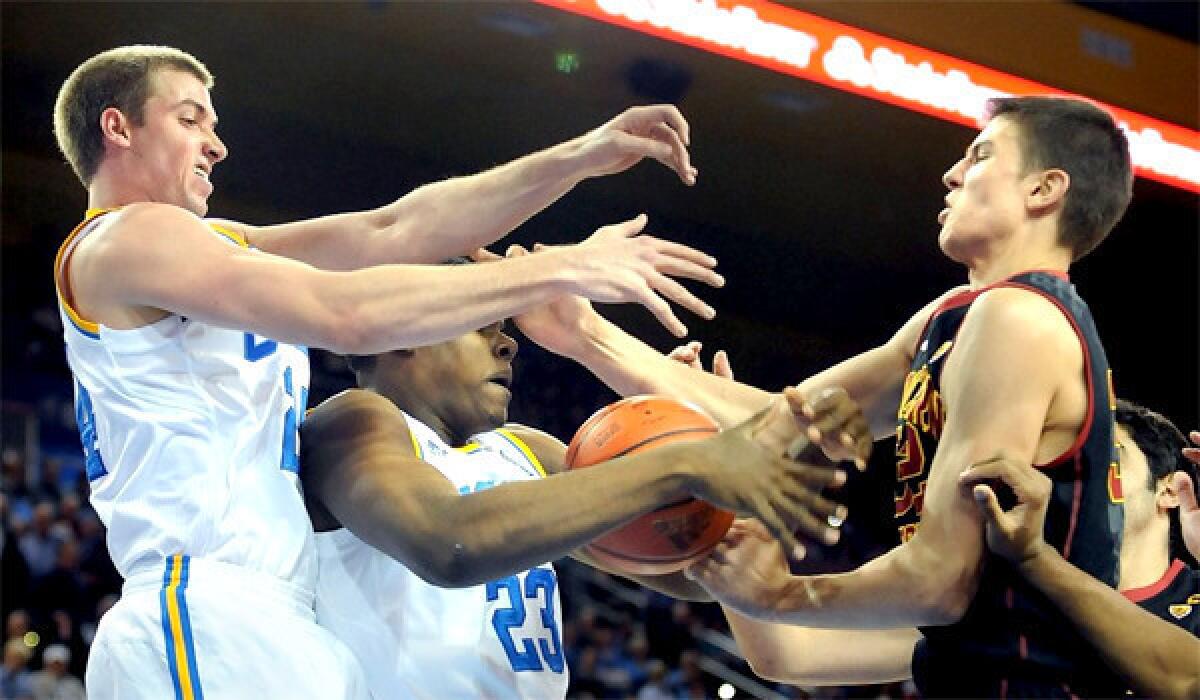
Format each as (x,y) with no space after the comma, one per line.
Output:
(566,61)
(32,639)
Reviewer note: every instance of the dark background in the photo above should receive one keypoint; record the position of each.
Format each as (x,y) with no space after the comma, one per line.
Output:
(820,205)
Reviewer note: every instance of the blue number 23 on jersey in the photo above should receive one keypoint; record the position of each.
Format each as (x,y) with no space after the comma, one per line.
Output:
(537,584)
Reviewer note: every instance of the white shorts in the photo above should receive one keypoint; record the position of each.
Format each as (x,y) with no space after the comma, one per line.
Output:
(204,629)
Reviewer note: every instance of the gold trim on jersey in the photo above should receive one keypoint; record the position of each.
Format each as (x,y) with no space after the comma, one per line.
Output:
(229,233)
(89,328)
(520,445)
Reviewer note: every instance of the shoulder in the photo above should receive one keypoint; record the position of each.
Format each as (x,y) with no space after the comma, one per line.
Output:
(139,227)
(549,450)
(354,410)
(1018,314)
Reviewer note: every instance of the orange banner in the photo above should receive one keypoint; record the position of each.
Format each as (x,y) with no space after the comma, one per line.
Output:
(854,60)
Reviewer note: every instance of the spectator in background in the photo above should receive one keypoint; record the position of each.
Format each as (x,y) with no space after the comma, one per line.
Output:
(15,680)
(61,588)
(13,474)
(39,544)
(54,682)
(48,487)
(14,570)
(656,687)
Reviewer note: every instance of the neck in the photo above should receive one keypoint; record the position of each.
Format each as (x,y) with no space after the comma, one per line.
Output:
(107,191)
(422,412)
(1033,248)
(1145,556)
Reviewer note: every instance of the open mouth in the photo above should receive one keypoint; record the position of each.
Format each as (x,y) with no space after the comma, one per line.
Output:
(504,379)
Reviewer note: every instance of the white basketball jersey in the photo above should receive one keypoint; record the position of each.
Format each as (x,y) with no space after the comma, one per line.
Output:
(190,437)
(415,640)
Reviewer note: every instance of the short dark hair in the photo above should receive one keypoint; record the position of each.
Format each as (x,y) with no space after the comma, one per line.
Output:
(1163,444)
(365,363)
(1083,140)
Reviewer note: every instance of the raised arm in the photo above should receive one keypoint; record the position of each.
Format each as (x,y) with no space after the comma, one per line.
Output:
(1158,659)
(153,259)
(360,470)
(456,216)
(931,579)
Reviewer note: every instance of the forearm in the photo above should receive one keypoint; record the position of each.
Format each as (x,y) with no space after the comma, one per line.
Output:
(821,657)
(389,307)
(909,586)
(456,216)
(675,585)
(518,525)
(1159,660)
(630,367)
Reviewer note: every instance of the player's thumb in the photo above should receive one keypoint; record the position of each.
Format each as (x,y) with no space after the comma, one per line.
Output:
(634,226)
(988,504)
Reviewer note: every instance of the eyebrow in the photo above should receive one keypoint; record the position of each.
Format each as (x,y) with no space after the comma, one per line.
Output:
(189,102)
(973,149)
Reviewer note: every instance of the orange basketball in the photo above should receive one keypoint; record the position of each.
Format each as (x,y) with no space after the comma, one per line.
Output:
(669,538)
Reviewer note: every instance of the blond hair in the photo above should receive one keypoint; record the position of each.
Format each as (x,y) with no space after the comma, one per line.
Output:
(119,78)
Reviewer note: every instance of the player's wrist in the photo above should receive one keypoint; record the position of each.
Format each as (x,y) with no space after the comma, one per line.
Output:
(1034,559)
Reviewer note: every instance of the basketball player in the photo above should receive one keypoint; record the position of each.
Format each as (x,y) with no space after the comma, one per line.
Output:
(187,340)
(435,524)
(1156,660)
(1010,362)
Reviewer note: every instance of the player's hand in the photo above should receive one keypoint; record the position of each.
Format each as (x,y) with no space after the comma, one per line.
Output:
(745,469)
(689,354)
(616,264)
(1193,453)
(655,131)
(1015,534)
(746,571)
(834,422)
(1189,509)
(560,326)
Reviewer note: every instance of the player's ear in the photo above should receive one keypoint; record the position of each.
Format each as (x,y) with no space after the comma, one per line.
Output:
(1165,495)
(114,126)
(1046,189)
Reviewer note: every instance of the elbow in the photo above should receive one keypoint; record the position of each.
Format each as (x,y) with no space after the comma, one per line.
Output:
(773,667)
(348,331)
(447,561)
(946,599)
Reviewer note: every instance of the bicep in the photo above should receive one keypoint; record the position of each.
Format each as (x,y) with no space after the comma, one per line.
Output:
(997,385)
(183,268)
(360,464)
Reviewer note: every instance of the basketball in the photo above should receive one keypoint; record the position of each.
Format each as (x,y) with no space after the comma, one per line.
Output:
(669,538)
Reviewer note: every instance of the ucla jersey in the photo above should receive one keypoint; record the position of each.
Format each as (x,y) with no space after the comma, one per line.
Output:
(414,640)
(1011,641)
(190,438)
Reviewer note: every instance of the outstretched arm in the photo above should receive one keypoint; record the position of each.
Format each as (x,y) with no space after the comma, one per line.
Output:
(1159,660)
(456,216)
(930,579)
(571,327)
(151,259)
(360,469)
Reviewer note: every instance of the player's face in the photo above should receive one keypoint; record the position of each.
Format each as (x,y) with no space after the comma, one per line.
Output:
(986,200)
(467,381)
(1140,501)
(177,145)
